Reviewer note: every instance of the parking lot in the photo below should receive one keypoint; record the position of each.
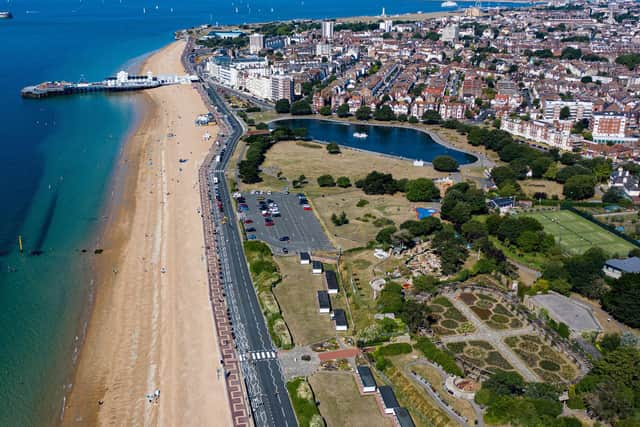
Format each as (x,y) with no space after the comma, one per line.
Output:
(301,226)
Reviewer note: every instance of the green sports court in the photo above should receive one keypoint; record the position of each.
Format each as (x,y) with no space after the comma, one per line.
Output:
(576,234)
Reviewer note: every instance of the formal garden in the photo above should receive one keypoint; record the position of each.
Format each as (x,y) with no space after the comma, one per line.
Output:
(448,320)
(479,355)
(491,311)
(546,362)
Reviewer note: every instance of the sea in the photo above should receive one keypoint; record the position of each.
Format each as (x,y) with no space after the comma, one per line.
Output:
(57,159)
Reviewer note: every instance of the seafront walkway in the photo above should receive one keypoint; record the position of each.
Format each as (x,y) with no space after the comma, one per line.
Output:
(240,413)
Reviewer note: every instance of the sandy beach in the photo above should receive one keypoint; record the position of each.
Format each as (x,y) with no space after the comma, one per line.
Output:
(152,326)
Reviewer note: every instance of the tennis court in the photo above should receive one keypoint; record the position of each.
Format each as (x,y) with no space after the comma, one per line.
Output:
(575,234)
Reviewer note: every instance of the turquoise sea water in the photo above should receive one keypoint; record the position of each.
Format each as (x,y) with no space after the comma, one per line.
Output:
(57,158)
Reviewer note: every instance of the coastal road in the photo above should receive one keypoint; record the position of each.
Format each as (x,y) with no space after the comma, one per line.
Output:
(258,357)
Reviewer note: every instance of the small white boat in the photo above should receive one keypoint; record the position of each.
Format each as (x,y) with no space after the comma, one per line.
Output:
(360,135)
(449,3)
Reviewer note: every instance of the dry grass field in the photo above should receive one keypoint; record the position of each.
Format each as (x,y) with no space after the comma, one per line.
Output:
(341,403)
(296,294)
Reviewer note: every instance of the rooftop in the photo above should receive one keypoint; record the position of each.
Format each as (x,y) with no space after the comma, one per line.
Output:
(629,265)
(388,397)
(366,376)
(332,281)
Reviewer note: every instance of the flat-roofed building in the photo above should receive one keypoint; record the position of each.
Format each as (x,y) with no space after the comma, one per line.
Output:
(305,258)
(615,268)
(366,379)
(332,281)
(340,319)
(404,418)
(609,127)
(316,267)
(389,401)
(256,43)
(324,302)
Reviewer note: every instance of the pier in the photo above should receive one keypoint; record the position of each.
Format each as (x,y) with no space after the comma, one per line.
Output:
(122,82)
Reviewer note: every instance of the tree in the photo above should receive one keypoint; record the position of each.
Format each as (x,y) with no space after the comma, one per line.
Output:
(363,113)
(586,79)
(384,235)
(421,190)
(431,117)
(613,195)
(415,315)
(445,164)
(579,187)
(610,342)
(384,113)
(300,108)
(474,230)
(426,283)
(343,182)
(378,183)
(413,120)
(325,110)
(501,174)
(629,60)
(333,148)
(623,300)
(571,53)
(326,181)
(565,113)
(282,106)
(505,383)
(343,110)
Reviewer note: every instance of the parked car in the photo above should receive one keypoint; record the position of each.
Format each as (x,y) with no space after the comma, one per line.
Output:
(285,250)
(284,239)
(250,229)
(306,207)
(248,221)
(251,237)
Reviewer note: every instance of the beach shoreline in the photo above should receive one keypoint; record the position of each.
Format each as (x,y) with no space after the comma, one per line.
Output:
(150,326)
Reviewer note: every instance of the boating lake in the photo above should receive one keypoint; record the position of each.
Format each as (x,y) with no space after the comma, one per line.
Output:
(394,141)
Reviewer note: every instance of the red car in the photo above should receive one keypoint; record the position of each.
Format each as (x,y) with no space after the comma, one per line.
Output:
(248,221)
(306,207)
(268,223)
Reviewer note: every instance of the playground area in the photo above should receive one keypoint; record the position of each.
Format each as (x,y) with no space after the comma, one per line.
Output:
(576,235)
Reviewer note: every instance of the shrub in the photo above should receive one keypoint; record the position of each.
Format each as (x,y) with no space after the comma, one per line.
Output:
(333,148)
(445,164)
(339,220)
(326,181)
(362,203)
(343,182)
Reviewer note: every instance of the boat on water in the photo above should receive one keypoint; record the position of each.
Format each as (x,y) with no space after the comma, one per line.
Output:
(6,15)
(360,135)
(449,3)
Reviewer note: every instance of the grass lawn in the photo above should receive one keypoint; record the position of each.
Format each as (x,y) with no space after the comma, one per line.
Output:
(297,296)
(576,235)
(532,186)
(304,403)
(341,403)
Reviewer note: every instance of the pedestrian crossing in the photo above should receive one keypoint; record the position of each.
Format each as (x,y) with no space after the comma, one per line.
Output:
(258,355)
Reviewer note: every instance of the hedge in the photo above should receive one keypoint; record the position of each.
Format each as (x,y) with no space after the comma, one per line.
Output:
(442,358)
(395,349)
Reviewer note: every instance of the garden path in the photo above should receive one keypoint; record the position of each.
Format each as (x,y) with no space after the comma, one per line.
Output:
(494,337)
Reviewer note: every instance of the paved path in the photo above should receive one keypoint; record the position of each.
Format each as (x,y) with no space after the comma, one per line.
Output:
(494,337)
(294,366)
